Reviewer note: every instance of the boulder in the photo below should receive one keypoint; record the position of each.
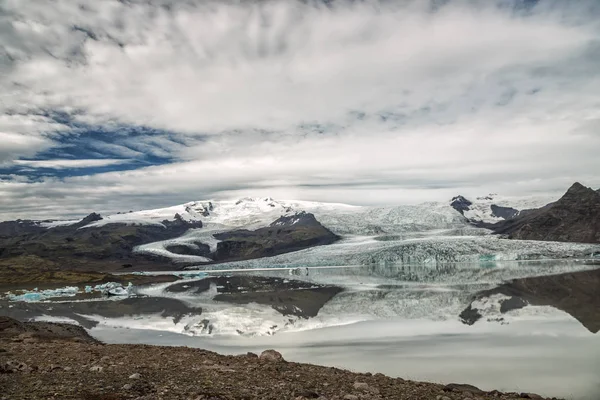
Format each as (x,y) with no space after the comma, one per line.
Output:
(271,356)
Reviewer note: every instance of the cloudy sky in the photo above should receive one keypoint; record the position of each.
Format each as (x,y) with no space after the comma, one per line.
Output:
(110,105)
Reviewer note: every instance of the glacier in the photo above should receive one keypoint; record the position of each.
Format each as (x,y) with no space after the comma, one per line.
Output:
(427,232)
(432,232)
(433,250)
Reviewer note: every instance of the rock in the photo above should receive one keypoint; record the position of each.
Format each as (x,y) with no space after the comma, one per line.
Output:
(14,366)
(135,376)
(442,398)
(364,387)
(96,368)
(105,359)
(513,303)
(127,386)
(470,315)
(251,355)
(575,217)
(307,394)
(531,396)
(462,387)
(461,204)
(504,212)
(361,386)
(284,235)
(353,397)
(271,356)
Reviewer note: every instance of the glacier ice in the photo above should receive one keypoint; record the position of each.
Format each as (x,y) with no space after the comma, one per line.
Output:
(40,295)
(434,250)
(35,295)
(422,233)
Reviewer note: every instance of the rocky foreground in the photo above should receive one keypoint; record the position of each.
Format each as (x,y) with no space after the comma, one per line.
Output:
(45,360)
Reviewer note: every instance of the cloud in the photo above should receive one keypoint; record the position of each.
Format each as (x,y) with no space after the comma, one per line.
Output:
(60,164)
(360,102)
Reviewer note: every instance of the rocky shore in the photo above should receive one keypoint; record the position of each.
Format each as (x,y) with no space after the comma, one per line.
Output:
(46,360)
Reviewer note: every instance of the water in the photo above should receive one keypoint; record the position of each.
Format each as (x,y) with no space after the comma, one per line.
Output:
(553,358)
(400,320)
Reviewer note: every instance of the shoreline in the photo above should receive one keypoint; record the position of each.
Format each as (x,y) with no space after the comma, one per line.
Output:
(38,362)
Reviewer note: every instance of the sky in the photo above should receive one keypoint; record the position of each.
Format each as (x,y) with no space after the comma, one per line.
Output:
(110,105)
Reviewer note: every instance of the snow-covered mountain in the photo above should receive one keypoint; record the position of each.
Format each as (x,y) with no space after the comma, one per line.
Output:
(251,213)
(427,232)
(494,208)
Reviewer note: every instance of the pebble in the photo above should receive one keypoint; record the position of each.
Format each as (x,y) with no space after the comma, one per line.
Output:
(135,376)
(127,386)
(96,368)
(350,397)
(443,398)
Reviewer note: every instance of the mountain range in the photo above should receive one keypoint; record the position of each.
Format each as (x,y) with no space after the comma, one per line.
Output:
(223,231)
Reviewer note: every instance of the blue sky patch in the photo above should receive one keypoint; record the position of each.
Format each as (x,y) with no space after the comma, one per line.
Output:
(107,148)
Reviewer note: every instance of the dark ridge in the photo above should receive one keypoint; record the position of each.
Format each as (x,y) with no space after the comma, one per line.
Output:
(504,212)
(461,204)
(284,235)
(93,217)
(575,217)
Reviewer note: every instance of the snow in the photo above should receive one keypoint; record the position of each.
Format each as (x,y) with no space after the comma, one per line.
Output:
(148,217)
(255,212)
(422,233)
(53,224)
(252,213)
(248,212)
(481,210)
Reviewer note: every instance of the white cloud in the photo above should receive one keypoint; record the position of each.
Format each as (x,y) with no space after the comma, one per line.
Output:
(359,102)
(61,164)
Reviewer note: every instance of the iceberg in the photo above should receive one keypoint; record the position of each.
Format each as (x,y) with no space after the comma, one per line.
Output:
(40,295)
(113,289)
(35,295)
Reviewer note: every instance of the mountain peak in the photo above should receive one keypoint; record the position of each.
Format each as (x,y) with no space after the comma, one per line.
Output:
(575,217)
(577,190)
(93,217)
(460,204)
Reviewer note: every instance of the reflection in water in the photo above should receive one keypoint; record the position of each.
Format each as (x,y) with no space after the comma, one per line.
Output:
(401,320)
